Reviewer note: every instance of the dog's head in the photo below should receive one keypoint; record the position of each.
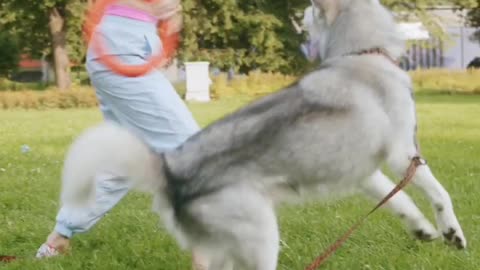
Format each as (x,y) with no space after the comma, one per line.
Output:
(340,27)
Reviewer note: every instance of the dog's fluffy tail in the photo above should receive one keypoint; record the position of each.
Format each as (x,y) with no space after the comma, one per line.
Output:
(107,149)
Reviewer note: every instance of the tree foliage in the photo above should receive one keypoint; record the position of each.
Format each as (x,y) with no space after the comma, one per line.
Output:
(474,15)
(9,55)
(30,20)
(46,27)
(244,35)
(473,19)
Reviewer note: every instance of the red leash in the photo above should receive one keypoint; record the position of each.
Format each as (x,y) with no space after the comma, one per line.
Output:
(416,161)
(7,259)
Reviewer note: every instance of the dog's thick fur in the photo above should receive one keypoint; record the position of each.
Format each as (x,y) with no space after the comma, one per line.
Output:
(327,134)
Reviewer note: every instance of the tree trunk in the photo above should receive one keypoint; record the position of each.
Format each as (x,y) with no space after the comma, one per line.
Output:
(59,44)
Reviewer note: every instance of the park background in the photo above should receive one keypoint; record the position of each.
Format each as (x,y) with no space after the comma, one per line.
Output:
(253,48)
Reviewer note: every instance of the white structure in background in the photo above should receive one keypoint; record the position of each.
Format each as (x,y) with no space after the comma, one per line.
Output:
(198,81)
(413,31)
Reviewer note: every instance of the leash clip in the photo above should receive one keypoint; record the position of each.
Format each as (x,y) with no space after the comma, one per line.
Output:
(419,161)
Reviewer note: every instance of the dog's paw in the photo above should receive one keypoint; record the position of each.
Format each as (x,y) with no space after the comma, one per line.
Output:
(425,231)
(455,237)
(451,230)
(425,236)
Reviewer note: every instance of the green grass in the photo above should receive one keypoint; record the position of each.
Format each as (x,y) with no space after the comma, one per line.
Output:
(129,238)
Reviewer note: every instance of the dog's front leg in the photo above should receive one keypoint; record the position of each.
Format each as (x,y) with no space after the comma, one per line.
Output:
(440,199)
(378,186)
(438,196)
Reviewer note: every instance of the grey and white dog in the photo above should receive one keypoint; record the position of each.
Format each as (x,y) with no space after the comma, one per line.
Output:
(327,134)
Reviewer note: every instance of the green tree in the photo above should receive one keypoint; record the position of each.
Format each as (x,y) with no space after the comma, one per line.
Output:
(474,16)
(46,27)
(474,20)
(9,54)
(243,35)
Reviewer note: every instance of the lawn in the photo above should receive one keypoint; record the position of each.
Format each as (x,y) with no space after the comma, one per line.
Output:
(130,238)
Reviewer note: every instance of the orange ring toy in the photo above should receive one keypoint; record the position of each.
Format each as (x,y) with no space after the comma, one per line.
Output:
(169,41)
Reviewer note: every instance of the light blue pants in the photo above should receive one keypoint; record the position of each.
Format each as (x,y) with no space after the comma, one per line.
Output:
(148,105)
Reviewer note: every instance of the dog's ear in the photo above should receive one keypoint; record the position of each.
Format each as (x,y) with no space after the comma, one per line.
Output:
(329,8)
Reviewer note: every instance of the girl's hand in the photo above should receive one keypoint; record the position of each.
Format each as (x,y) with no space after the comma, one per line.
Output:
(175,24)
(165,9)
(170,12)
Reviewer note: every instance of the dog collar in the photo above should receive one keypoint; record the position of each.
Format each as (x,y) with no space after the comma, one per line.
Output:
(377,51)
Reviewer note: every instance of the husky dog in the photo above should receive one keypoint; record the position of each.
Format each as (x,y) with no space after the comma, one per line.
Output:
(329,133)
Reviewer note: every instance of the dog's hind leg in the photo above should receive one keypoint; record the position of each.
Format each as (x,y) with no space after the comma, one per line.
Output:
(259,251)
(243,228)
(259,246)
(378,186)
(438,196)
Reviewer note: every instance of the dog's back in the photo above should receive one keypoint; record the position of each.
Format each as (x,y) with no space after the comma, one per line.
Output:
(333,126)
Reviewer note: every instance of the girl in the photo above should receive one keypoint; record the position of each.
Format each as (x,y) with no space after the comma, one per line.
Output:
(147,105)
